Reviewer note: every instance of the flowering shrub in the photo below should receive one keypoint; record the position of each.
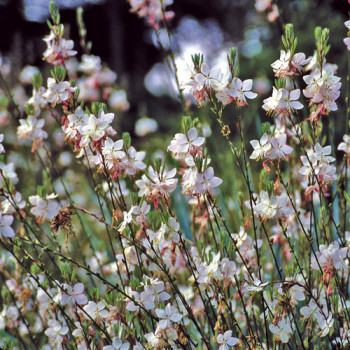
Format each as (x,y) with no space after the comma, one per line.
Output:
(106,258)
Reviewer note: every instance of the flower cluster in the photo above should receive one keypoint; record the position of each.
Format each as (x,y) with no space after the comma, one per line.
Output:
(204,82)
(153,10)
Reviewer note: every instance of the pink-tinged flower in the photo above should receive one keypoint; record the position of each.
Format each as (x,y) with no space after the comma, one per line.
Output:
(287,65)
(152,10)
(327,174)
(5,226)
(226,341)
(69,295)
(58,50)
(228,268)
(323,90)
(331,256)
(273,14)
(262,5)
(58,92)
(206,181)
(206,81)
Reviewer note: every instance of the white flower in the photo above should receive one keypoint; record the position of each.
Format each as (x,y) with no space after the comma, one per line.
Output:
(322,154)
(156,287)
(7,171)
(347,43)
(206,181)
(280,149)
(325,324)
(118,100)
(174,227)
(168,315)
(2,149)
(31,128)
(241,90)
(44,208)
(257,285)
(5,226)
(209,78)
(69,295)
(58,92)
(260,147)
(291,99)
(271,103)
(310,310)
(145,126)
(10,206)
(330,256)
(55,332)
(183,144)
(226,341)
(37,100)
(281,66)
(160,184)
(146,298)
(228,268)
(345,146)
(282,331)
(96,311)
(117,344)
(97,127)
(127,219)
(90,63)
(134,161)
